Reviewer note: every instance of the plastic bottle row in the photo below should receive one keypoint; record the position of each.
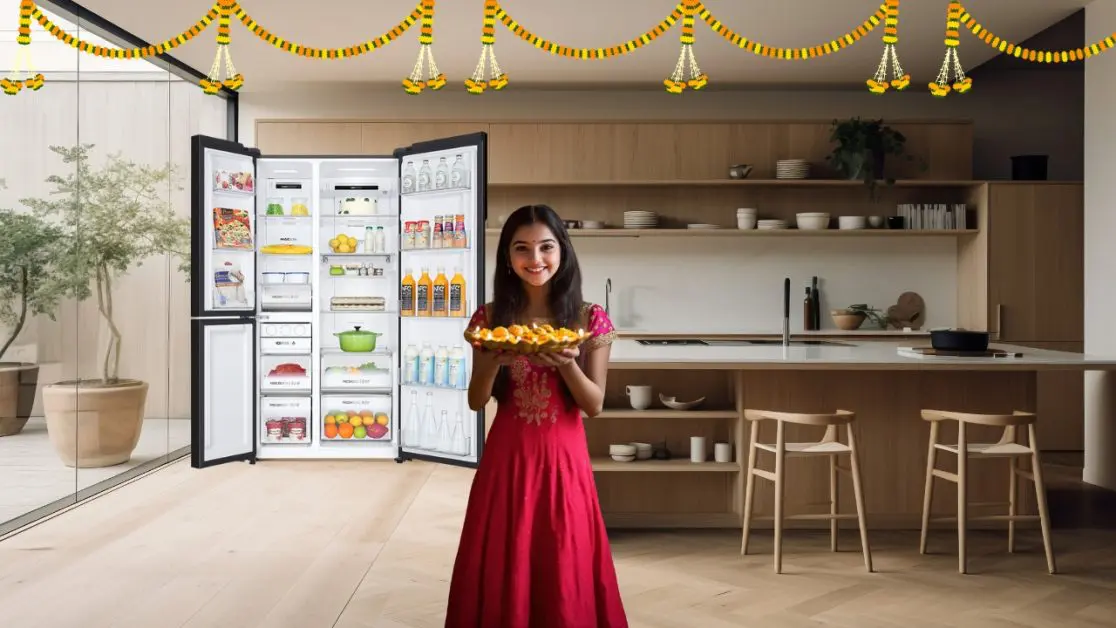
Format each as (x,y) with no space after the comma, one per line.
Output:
(435,432)
(439,297)
(443,176)
(442,368)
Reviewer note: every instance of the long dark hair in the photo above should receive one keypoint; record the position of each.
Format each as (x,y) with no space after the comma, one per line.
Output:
(509,299)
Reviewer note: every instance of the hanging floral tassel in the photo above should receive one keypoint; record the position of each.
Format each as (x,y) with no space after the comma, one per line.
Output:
(435,80)
(20,75)
(487,66)
(687,63)
(900,80)
(213,83)
(952,76)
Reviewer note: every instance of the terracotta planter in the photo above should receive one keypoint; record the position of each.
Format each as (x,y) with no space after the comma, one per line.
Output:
(17,396)
(92,425)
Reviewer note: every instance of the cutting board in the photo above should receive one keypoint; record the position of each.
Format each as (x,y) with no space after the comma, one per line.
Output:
(930,352)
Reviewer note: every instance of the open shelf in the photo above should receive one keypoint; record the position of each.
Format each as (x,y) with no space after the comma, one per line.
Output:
(800,183)
(757,233)
(663,413)
(678,465)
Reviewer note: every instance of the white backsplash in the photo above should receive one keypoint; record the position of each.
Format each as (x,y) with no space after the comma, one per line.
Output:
(735,285)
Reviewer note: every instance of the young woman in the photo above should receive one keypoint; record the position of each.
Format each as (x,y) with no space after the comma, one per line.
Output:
(533,551)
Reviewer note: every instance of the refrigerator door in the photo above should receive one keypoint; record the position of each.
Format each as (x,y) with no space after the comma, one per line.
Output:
(223,405)
(442,214)
(223,207)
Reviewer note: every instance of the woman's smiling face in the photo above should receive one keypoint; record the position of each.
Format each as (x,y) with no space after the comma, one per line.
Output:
(535,255)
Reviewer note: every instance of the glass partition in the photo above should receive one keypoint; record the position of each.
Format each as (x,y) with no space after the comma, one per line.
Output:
(100,189)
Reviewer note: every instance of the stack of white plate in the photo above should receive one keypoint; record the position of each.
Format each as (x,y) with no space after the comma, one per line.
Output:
(768,225)
(699,225)
(638,219)
(792,169)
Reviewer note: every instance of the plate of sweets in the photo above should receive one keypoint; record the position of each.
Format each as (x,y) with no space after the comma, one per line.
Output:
(526,339)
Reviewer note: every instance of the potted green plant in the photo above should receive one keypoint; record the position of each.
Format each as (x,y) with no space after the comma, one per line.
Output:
(862,148)
(30,285)
(112,217)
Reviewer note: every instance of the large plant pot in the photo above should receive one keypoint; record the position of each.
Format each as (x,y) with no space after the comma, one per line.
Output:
(17,396)
(94,425)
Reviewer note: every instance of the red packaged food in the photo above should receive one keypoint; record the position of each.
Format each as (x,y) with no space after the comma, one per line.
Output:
(232,228)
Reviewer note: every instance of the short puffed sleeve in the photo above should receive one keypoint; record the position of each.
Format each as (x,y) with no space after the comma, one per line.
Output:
(480,318)
(601,331)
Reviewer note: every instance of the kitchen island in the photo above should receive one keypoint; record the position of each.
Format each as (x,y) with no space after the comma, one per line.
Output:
(867,376)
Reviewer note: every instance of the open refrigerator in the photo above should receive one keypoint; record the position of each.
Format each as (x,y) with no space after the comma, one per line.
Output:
(329,298)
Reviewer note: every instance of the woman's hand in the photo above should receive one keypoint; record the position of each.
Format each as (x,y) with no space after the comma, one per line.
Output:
(560,359)
(493,359)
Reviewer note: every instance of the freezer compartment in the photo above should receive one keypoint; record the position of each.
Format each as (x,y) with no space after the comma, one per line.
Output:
(358,372)
(438,422)
(286,373)
(285,420)
(356,418)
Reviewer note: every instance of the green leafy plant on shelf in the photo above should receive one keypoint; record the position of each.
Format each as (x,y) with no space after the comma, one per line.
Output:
(862,150)
(110,218)
(876,316)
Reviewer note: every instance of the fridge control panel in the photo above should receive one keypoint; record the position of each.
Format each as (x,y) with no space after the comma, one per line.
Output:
(285,337)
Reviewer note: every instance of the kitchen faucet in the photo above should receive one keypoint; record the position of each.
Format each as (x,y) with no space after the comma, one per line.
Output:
(786,312)
(608,291)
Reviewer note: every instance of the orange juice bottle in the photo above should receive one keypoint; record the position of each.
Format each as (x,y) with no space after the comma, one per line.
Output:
(422,294)
(438,293)
(407,295)
(457,295)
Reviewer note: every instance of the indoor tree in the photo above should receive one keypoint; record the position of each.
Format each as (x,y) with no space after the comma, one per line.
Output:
(31,281)
(112,217)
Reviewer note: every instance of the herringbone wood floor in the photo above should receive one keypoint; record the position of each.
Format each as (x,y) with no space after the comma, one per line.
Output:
(314,545)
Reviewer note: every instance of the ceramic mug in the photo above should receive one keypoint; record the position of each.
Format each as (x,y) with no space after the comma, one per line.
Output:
(640,396)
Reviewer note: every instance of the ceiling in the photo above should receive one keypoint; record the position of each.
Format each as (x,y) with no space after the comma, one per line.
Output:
(458,25)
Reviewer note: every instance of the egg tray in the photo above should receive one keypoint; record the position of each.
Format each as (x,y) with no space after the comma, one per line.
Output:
(477,338)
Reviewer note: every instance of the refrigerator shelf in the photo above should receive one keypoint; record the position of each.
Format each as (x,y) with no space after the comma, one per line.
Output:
(436,318)
(359,217)
(330,256)
(432,387)
(336,390)
(360,311)
(452,249)
(335,351)
(436,193)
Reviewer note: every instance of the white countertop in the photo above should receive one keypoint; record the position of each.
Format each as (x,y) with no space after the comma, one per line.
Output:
(875,355)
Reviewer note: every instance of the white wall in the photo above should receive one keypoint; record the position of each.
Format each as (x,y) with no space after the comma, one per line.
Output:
(1100,255)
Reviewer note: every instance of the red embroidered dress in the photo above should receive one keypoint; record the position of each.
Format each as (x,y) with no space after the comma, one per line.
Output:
(533,551)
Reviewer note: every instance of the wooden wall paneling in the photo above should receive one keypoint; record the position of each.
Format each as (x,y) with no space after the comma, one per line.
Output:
(1060,402)
(382,138)
(308,137)
(972,265)
(1011,286)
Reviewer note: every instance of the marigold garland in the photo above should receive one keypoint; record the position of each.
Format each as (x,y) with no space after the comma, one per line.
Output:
(951,76)
(435,80)
(811,52)
(1029,54)
(900,80)
(488,74)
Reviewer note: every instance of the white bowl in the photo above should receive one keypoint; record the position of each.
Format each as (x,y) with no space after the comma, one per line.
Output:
(812,221)
(592,224)
(618,458)
(875,222)
(622,450)
(272,278)
(643,451)
(298,277)
(852,222)
(745,222)
(674,404)
(750,211)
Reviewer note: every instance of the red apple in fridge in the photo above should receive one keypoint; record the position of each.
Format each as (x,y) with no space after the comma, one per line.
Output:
(377,431)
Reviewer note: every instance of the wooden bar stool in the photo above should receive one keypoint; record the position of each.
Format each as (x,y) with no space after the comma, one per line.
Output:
(1008,447)
(830,446)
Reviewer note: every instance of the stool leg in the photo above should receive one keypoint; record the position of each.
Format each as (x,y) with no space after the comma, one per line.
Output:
(1013,492)
(749,487)
(962,496)
(928,491)
(858,495)
(780,453)
(1040,497)
(833,502)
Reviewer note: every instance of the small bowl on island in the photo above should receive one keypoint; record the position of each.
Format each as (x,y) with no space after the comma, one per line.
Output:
(848,320)
(622,453)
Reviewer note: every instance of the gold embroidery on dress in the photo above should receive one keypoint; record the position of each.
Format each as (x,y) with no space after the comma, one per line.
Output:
(532,393)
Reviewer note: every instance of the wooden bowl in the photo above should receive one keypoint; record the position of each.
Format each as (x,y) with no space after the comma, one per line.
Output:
(846,320)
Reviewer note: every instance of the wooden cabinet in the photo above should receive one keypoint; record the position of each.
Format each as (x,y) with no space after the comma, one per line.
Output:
(1028,263)
(1036,275)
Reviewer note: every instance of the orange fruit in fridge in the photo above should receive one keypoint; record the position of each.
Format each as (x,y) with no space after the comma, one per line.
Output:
(331,429)
(330,420)
(345,430)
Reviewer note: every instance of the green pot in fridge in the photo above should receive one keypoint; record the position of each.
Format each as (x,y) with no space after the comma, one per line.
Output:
(357,340)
